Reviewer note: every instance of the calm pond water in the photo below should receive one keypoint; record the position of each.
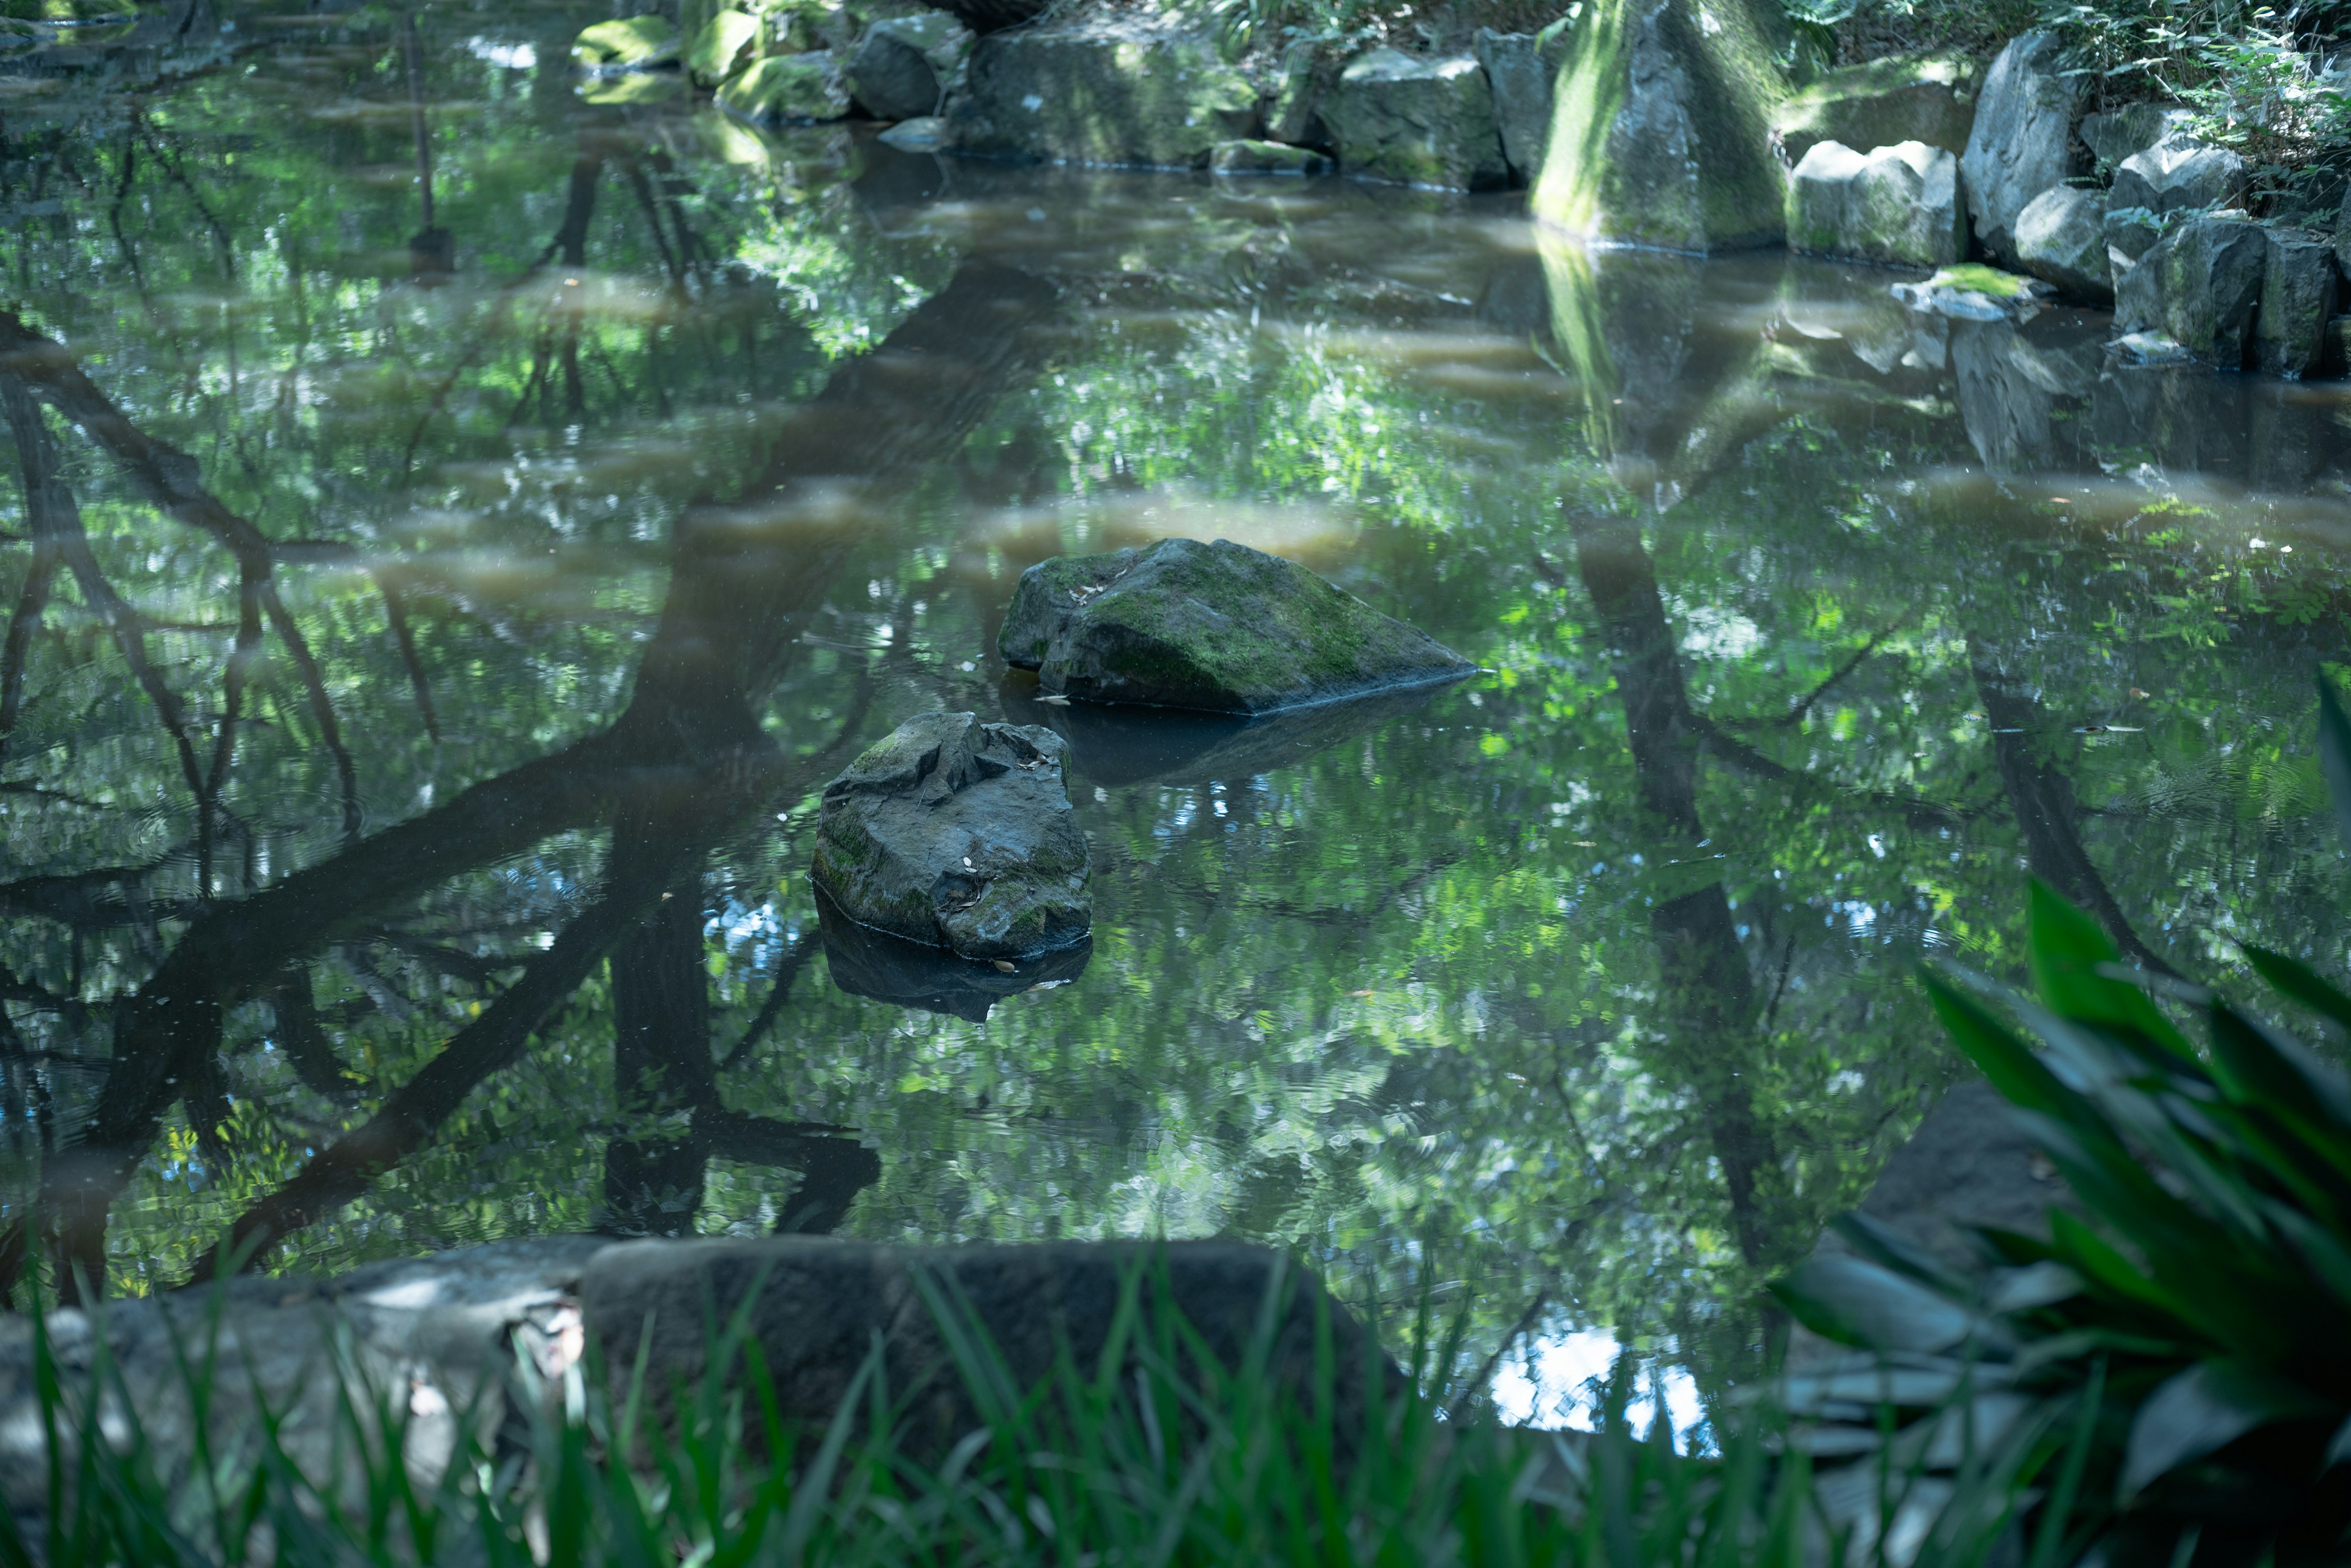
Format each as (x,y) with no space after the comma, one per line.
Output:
(407,796)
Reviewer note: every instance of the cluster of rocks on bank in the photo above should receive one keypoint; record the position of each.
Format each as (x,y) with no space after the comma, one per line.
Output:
(1114,89)
(2129,209)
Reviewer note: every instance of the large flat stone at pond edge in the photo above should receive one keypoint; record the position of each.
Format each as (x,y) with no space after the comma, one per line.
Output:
(956,833)
(1899,205)
(1928,98)
(815,1306)
(1218,628)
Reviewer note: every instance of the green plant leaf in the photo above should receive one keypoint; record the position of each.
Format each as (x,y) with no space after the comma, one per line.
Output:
(2068,952)
(2205,1408)
(1855,1301)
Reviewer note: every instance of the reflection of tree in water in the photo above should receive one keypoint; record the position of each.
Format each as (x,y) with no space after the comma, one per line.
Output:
(683,766)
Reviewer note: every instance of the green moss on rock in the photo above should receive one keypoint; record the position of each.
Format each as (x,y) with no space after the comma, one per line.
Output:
(627,43)
(1661,132)
(1217,628)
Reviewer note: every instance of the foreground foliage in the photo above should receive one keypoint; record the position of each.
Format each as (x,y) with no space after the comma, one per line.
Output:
(2189,1317)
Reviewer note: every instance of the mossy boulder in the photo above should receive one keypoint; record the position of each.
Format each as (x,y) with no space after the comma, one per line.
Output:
(2298,298)
(1104,91)
(1928,97)
(627,43)
(956,833)
(1414,120)
(1662,131)
(1898,205)
(1215,628)
(2200,287)
(721,47)
(2060,236)
(791,89)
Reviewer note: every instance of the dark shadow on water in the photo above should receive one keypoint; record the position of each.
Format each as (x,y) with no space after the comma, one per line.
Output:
(868,963)
(1116,745)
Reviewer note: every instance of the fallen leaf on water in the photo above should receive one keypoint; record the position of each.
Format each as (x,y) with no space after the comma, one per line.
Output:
(1007,968)
(1057,700)
(1363,993)
(2137,695)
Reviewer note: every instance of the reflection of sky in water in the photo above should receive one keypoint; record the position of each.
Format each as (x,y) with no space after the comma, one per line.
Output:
(1555,1381)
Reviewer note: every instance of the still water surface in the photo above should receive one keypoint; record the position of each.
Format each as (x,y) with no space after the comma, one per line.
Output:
(407,800)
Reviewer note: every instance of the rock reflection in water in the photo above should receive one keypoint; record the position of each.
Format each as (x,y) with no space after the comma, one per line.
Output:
(1114,746)
(865,962)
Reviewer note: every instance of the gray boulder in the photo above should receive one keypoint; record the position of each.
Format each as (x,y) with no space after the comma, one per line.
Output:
(905,64)
(1899,205)
(2131,233)
(2020,144)
(816,1311)
(958,834)
(1107,91)
(1522,69)
(2116,134)
(1308,74)
(2061,238)
(1411,120)
(1928,97)
(2179,174)
(1217,628)
(2200,286)
(2297,302)
(1666,141)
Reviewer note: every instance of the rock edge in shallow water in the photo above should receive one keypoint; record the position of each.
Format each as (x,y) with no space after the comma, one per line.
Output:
(958,833)
(1214,628)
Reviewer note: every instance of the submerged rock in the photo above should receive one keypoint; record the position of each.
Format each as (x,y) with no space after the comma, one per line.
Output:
(1415,120)
(2061,238)
(1266,158)
(2200,286)
(1928,98)
(1100,92)
(924,133)
(1899,205)
(1974,292)
(1217,628)
(2020,144)
(627,43)
(2297,302)
(793,89)
(1664,137)
(958,834)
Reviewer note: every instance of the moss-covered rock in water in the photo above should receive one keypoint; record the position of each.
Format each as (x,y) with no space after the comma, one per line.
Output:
(790,88)
(627,43)
(1661,132)
(1415,120)
(1218,628)
(1928,97)
(1111,92)
(721,47)
(1266,158)
(958,834)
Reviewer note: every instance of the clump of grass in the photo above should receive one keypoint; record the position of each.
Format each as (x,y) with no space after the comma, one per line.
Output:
(1154,1456)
